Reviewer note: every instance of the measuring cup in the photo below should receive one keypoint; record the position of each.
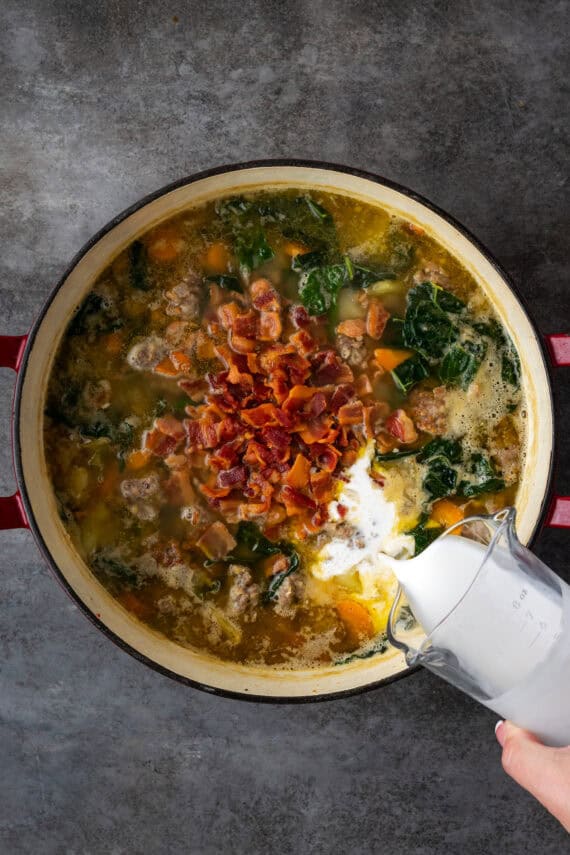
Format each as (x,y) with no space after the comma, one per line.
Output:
(505,641)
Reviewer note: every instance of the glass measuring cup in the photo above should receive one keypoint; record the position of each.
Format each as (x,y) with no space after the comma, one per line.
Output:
(506,639)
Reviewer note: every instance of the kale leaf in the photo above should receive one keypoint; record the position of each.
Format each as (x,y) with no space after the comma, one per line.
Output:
(139,266)
(427,328)
(251,250)
(461,363)
(441,477)
(410,372)
(424,536)
(485,479)
(319,287)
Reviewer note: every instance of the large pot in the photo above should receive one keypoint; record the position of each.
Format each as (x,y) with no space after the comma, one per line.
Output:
(33,506)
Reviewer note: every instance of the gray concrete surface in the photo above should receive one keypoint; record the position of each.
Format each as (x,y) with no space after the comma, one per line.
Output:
(103,102)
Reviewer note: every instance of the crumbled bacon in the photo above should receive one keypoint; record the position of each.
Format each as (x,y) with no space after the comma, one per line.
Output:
(400,425)
(376,319)
(273,421)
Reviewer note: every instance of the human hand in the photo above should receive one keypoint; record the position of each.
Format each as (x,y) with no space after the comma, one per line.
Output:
(544,772)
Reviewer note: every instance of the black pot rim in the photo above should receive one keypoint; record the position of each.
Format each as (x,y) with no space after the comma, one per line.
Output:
(17,450)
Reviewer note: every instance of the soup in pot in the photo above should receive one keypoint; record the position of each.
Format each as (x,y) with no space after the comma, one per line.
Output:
(260,397)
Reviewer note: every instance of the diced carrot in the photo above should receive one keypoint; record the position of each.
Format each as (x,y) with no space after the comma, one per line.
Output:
(446,513)
(216,258)
(356,618)
(181,361)
(388,358)
(113,343)
(298,475)
(294,248)
(166,368)
(415,229)
(165,245)
(138,459)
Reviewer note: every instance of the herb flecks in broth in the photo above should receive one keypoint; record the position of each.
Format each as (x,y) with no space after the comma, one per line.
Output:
(219,392)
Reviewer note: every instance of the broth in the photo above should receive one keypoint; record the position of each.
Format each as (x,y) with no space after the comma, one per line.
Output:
(259,393)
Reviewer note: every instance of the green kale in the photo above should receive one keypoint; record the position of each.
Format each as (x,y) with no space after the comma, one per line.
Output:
(424,536)
(251,250)
(441,477)
(511,367)
(318,288)
(427,328)
(461,363)
(394,455)
(307,261)
(410,372)
(484,478)
(139,266)
(450,449)
(377,646)
(249,536)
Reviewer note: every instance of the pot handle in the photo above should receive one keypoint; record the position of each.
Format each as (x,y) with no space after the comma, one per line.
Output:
(12,514)
(559,347)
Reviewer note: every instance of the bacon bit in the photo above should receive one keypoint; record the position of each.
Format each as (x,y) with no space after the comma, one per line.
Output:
(351,414)
(353,328)
(325,458)
(319,431)
(166,368)
(276,438)
(297,397)
(349,457)
(330,369)
(181,361)
(400,425)
(275,515)
(296,502)
(160,443)
(341,396)
(235,477)
(322,486)
(316,405)
(298,475)
(245,325)
(252,363)
(201,433)
(261,416)
(216,542)
(270,326)
(363,386)
(374,418)
(235,376)
(279,385)
(227,314)
(240,344)
(170,426)
(300,318)
(376,319)
(214,493)
(264,296)
(303,342)
(341,510)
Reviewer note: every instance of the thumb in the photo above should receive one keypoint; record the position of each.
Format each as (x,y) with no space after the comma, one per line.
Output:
(544,772)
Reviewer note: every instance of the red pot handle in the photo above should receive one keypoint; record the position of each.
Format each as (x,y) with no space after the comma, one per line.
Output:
(12,514)
(559,347)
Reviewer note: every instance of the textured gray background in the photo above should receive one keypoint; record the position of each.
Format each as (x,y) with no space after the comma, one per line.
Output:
(103,102)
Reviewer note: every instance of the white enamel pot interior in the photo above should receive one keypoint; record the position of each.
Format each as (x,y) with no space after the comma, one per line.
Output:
(194,667)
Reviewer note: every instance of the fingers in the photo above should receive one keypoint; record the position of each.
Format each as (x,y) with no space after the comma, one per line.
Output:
(544,772)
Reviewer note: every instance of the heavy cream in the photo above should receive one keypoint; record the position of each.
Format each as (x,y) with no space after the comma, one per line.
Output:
(373,521)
